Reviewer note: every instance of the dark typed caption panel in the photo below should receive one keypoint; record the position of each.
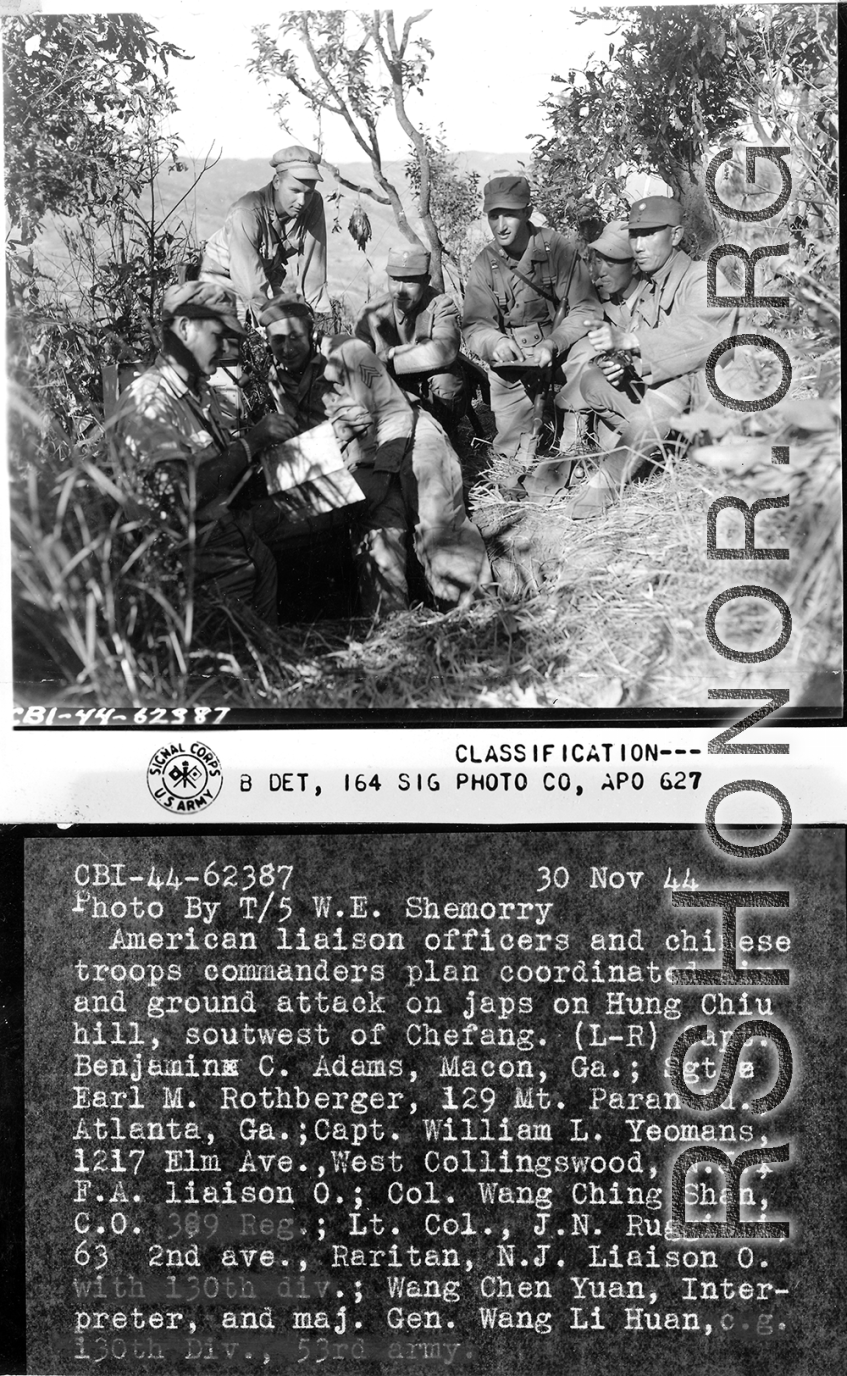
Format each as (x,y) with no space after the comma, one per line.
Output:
(366,1103)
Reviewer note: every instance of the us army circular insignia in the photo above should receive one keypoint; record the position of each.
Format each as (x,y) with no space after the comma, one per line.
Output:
(185,780)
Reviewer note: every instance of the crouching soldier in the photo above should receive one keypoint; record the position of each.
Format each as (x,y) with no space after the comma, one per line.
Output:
(175,455)
(414,330)
(398,454)
(649,362)
(528,299)
(615,277)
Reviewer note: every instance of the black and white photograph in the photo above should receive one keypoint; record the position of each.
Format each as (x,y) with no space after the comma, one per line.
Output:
(421,362)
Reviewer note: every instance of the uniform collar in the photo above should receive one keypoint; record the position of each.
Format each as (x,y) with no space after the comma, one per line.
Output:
(619,300)
(314,368)
(536,244)
(269,199)
(668,276)
(180,385)
(267,195)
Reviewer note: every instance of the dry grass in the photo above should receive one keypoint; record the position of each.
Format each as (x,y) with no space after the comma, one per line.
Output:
(596,614)
(590,614)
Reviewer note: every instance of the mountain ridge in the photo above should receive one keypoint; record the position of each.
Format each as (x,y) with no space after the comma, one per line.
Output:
(353,275)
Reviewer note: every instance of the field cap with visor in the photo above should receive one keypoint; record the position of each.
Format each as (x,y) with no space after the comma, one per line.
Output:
(284,304)
(509,192)
(614,242)
(299,161)
(408,262)
(655,212)
(201,301)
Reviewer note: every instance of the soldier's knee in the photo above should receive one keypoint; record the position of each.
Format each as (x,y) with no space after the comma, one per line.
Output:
(447,389)
(651,422)
(593,386)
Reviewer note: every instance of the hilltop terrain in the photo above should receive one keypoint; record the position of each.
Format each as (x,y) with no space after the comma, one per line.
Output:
(353,275)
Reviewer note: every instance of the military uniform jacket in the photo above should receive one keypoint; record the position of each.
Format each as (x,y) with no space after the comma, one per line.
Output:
(497,300)
(255,245)
(432,338)
(668,316)
(161,425)
(618,312)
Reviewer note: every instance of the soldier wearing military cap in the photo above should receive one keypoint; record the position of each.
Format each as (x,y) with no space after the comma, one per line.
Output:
(415,332)
(615,277)
(612,268)
(399,455)
(614,274)
(275,234)
(528,299)
(175,452)
(650,363)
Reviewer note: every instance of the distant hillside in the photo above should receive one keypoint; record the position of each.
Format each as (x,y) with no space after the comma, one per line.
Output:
(352,274)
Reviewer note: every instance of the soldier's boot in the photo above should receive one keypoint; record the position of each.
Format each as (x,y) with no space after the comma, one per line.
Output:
(605,486)
(552,476)
(380,559)
(511,482)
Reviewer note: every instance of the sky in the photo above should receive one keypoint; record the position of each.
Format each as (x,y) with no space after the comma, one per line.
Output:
(492,68)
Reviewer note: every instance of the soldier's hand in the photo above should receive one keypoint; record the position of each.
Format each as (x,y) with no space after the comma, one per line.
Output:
(273,429)
(507,351)
(348,417)
(543,353)
(602,337)
(612,369)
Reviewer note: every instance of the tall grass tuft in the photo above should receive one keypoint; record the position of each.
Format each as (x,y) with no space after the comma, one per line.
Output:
(104,610)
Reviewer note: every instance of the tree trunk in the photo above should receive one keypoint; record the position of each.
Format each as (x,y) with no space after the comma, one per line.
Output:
(702,231)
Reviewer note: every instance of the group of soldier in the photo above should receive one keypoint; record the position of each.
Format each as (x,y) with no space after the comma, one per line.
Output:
(616,342)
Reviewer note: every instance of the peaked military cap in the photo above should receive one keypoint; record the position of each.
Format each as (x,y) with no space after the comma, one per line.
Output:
(654,212)
(408,262)
(614,242)
(509,192)
(300,161)
(286,303)
(202,301)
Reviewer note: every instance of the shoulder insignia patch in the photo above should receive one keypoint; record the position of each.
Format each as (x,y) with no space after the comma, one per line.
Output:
(368,375)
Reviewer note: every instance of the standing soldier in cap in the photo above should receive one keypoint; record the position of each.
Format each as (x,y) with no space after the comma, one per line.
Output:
(174,453)
(646,366)
(269,231)
(414,330)
(398,454)
(528,299)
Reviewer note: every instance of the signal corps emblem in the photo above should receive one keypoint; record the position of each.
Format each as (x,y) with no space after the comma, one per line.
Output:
(185,780)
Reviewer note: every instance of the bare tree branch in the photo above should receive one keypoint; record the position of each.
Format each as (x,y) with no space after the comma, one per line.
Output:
(207,166)
(407,28)
(395,70)
(352,186)
(325,77)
